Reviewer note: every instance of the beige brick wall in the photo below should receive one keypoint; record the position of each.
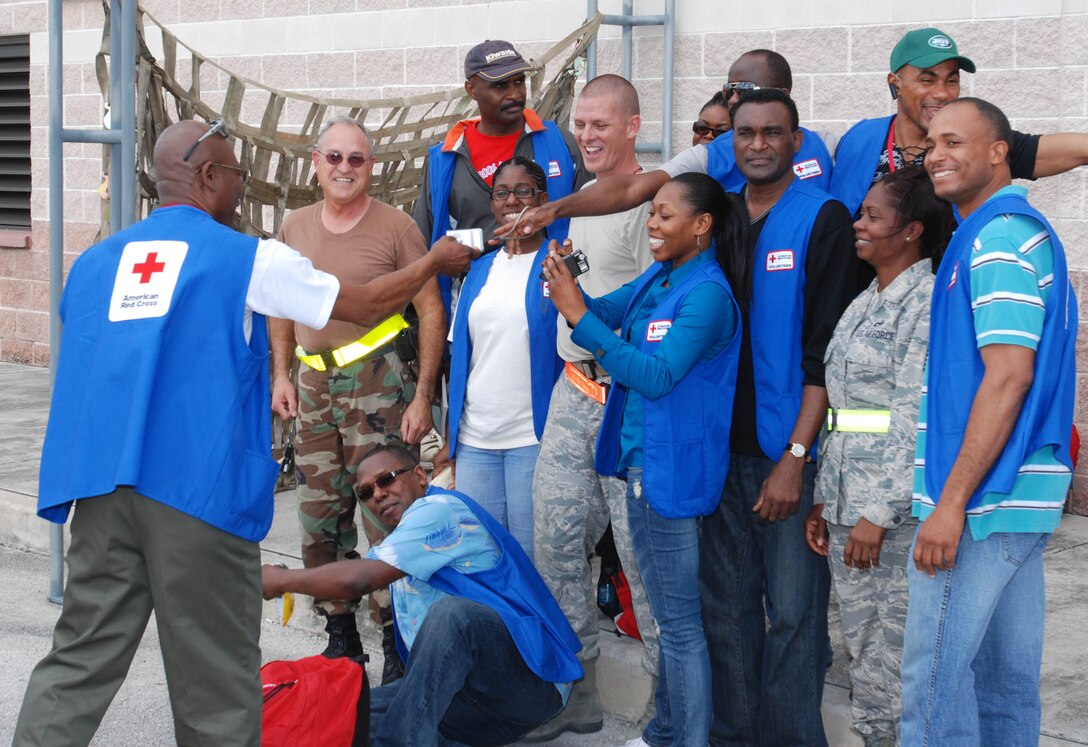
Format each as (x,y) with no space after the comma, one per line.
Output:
(1031,55)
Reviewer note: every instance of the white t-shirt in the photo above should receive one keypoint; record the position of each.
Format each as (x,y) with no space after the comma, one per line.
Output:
(284,284)
(498,411)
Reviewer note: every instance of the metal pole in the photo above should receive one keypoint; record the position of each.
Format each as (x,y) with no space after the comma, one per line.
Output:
(666,107)
(591,49)
(628,40)
(128,111)
(116,165)
(56,252)
(122,138)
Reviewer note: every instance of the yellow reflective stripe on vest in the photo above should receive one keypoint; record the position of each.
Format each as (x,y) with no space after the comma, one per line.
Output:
(381,335)
(858,421)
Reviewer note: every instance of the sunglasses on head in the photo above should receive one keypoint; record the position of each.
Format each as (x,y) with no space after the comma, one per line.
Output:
(365,491)
(741,87)
(215,127)
(335,158)
(703,130)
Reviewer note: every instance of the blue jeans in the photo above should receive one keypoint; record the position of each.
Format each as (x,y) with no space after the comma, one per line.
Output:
(667,553)
(973,646)
(768,678)
(501,480)
(464,683)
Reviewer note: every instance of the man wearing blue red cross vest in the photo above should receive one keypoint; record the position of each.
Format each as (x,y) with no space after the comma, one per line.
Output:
(456,189)
(159,436)
(992,464)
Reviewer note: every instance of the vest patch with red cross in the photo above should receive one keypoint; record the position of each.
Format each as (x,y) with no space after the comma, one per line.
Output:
(146,277)
(780,260)
(656,330)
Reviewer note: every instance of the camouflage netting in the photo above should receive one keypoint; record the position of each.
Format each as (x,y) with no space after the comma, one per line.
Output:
(276,155)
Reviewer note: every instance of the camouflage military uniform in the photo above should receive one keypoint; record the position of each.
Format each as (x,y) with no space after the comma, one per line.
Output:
(572,504)
(342,414)
(875,361)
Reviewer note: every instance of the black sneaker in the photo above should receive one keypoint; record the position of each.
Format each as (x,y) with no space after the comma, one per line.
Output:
(393,668)
(343,637)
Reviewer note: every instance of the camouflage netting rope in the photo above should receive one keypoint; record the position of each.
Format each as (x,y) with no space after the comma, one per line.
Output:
(277,156)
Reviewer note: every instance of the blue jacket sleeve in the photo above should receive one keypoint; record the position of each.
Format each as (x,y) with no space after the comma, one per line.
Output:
(610,308)
(703,326)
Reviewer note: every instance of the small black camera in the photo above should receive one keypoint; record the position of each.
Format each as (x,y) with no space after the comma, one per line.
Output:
(577,262)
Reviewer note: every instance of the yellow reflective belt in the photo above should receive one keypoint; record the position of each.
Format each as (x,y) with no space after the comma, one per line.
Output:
(858,421)
(353,351)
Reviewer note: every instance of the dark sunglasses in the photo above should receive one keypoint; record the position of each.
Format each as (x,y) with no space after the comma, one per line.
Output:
(335,158)
(703,130)
(522,193)
(215,127)
(366,491)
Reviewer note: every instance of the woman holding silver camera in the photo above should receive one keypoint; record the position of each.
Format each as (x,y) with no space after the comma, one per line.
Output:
(667,417)
(504,362)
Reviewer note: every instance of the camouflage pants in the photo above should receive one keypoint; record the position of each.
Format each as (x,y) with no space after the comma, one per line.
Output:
(873,605)
(571,509)
(342,414)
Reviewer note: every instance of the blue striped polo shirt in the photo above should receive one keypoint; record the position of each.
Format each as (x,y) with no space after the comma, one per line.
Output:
(1011,276)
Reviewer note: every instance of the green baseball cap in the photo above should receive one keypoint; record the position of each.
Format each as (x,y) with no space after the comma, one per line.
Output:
(927,47)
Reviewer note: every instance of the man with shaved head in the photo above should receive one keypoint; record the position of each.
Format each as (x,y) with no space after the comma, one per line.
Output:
(158,433)
(572,503)
(755,70)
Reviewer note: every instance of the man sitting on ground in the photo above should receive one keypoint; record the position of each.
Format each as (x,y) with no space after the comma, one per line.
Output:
(489,654)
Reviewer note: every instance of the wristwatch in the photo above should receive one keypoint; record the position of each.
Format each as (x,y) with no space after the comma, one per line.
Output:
(799,451)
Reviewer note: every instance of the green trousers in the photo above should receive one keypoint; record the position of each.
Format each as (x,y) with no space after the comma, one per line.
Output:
(129,556)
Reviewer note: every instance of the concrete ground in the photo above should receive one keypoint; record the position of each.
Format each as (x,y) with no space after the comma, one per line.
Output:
(140,713)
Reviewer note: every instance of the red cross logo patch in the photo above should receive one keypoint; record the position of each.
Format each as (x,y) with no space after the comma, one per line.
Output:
(146,278)
(656,330)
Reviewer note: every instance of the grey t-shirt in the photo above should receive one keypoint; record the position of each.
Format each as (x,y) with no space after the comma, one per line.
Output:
(618,249)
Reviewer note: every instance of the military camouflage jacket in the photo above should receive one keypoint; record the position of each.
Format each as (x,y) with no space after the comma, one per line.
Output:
(874,362)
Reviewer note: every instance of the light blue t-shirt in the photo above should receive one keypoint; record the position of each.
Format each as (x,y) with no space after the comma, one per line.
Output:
(436,531)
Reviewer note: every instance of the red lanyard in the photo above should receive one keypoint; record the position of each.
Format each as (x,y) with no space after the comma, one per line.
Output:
(891,146)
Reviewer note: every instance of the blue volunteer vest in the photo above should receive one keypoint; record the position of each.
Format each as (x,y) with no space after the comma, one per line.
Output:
(777,313)
(550,153)
(176,406)
(812,163)
(856,159)
(546,365)
(684,466)
(956,368)
(515,590)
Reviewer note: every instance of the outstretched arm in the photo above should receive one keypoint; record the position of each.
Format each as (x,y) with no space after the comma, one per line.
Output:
(344,579)
(1059,153)
(370,303)
(612,195)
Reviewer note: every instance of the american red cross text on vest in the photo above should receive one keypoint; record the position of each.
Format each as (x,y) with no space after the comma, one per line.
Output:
(148,267)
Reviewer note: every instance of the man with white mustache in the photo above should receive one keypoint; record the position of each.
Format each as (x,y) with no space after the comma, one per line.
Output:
(354,393)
